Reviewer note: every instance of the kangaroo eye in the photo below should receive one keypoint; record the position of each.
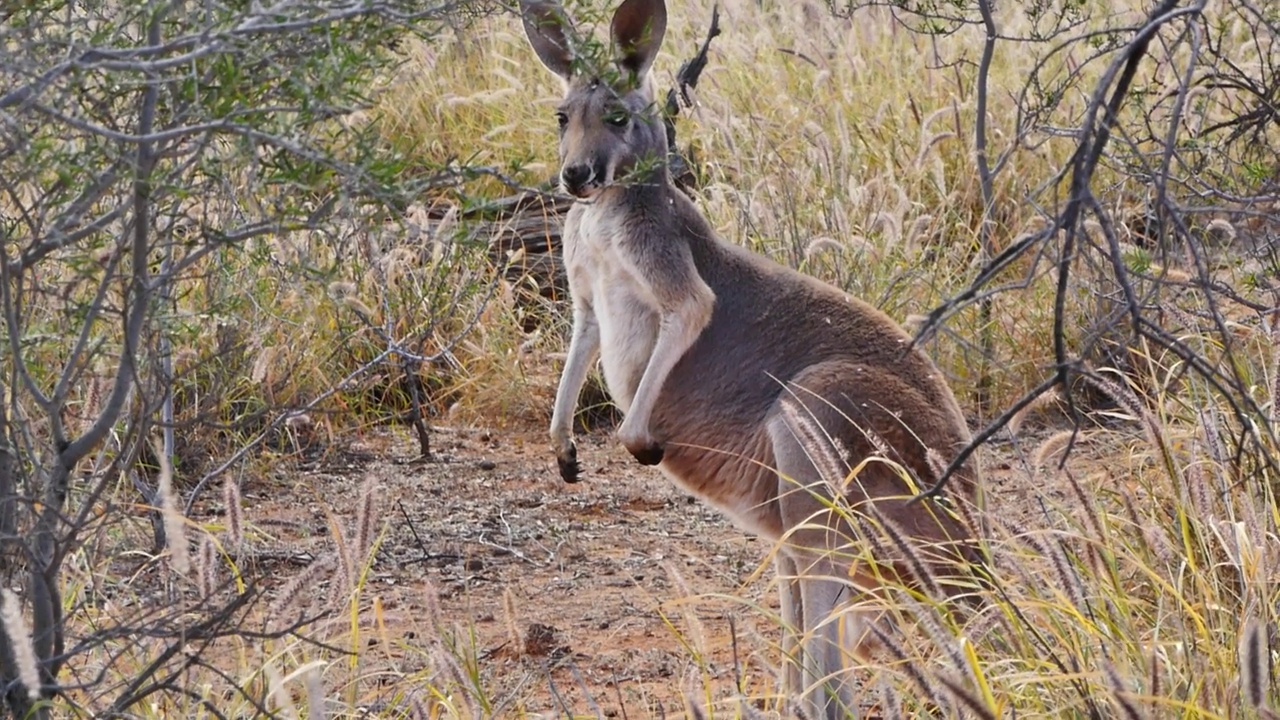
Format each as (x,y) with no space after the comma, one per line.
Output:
(562,119)
(618,118)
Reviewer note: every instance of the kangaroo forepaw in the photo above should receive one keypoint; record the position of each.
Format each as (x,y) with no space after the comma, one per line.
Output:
(639,442)
(570,470)
(650,454)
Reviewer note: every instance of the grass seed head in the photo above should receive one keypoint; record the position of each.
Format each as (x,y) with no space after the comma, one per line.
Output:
(20,645)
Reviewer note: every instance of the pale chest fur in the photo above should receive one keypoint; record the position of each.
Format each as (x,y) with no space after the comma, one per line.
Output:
(601,278)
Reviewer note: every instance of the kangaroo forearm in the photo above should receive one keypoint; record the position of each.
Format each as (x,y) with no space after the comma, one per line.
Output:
(676,334)
(584,348)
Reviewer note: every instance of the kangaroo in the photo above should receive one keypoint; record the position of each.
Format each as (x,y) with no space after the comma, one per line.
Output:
(742,379)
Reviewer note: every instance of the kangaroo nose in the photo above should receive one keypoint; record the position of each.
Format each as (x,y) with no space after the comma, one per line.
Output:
(574,177)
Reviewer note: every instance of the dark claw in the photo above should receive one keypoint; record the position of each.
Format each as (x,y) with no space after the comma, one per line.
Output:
(569,467)
(651,455)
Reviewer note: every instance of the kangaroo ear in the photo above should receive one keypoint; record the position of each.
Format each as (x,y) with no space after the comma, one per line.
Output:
(545,25)
(637,30)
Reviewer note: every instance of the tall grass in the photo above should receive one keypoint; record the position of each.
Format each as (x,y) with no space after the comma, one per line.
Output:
(1136,581)
(843,147)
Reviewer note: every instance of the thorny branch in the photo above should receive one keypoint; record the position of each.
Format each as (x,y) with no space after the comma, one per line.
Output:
(986,184)
(1100,120)
(124,170)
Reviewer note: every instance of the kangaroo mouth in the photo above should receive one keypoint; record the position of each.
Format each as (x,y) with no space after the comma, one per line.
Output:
(585,184)
(586,193)
(590,191)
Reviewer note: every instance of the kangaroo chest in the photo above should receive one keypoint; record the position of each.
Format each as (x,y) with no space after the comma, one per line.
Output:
(602,277)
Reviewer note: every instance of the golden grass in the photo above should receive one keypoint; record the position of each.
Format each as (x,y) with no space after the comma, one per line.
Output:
(1135,582)
(844,147)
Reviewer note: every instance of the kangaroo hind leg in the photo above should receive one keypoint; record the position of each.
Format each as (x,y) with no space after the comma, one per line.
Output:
(812,557)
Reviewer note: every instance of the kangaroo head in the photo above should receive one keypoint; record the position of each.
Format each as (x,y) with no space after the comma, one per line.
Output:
(610,128)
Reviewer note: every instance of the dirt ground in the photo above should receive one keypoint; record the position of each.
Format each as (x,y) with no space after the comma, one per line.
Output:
(618,596)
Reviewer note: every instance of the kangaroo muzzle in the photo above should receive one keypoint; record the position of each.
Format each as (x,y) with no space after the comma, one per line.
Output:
(583,180)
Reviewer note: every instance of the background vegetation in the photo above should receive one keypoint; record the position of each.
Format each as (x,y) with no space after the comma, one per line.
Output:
(236,233)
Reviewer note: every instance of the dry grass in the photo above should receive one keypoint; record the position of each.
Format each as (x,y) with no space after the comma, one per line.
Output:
(1134,582)
(843,147)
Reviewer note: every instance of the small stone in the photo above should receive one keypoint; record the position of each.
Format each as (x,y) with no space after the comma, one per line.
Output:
(542,640)
(487,465)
